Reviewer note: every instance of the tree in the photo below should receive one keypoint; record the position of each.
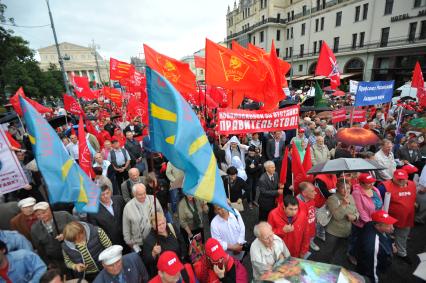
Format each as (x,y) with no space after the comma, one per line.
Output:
(18,67)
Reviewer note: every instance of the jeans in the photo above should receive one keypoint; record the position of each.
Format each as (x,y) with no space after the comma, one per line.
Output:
(356,231)
(174,199)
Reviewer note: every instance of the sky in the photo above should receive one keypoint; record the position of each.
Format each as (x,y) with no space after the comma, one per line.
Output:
(173,27)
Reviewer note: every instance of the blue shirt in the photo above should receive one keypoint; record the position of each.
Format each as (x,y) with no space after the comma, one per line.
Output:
(24,267)
(15,241)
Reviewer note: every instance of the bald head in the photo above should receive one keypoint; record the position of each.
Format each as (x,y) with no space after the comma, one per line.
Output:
(139,192)
(134,174)
(263,231)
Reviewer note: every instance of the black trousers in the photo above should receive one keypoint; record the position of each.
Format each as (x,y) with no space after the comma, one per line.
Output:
(263,214)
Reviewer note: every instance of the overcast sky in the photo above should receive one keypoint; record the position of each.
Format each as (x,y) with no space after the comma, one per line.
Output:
(120,27)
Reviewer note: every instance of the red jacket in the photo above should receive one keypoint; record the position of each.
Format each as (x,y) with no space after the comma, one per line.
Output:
(189,271)
(309,209)
(402,202)
(205,273)
(330,181)
(296,241)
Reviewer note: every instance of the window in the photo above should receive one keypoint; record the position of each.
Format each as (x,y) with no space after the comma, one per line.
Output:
(319,45)
(357,12)
(354,38)
(338,19)
(261,36)
(322,23)
(254,40)
(361,39)
(288,16)
(385,37)
(316,24)
(277,51)
(292,15)
(323,4)
(286,52)
(291,51)
(412,32)
(422,30)
(315,47)
(263,4)
(302,49)
(336,44)
(278,17)
(288,33)
(388,7)
(278,35)
(291,32)
(364,11)
(300,68)
(318,5)
(417,3)
(303,29)
(304,10)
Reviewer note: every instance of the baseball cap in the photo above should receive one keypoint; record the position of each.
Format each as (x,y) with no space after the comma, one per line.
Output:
(366,178)
(400,174)
(382,216)
(169,262)
(301,130)
(214,250)
(410,169)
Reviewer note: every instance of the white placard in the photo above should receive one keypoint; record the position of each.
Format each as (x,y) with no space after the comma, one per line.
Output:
(12,176)
(386,201)
(353,86)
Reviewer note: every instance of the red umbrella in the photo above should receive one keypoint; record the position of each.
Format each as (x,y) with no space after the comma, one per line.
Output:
(339,93)
(357,136)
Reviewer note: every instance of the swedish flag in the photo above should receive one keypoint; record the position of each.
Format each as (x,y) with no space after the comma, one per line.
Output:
(176,132)
(65,180)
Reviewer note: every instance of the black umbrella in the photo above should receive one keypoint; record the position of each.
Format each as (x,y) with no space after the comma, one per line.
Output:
(344,165)
(58,121)
(285,103)
(9,116)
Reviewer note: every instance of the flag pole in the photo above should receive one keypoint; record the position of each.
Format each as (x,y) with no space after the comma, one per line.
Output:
(44,191)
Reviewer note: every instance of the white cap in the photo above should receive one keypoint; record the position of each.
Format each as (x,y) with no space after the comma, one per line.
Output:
(26,202)
(41,205)
(111,254)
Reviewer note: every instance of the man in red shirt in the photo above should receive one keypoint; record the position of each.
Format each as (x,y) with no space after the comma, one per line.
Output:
(306,199)
(401,207)
(291,224)
(171,270)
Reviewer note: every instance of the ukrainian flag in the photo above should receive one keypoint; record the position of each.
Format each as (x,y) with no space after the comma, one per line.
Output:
(176,132)
(65,180)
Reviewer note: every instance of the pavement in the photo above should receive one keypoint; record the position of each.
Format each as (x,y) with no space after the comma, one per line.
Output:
(399,272)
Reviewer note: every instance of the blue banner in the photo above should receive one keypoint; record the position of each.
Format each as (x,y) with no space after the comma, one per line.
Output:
(371,93)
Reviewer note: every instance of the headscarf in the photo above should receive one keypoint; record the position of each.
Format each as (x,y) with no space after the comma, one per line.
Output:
(237,163)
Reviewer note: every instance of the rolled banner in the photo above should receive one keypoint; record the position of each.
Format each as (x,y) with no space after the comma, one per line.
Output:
(386,201)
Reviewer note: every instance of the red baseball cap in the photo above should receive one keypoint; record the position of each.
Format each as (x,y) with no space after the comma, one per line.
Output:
(400,174)
(410,169)
(366,178)
(382,216)
(214,250)
(169,262)
(301,130)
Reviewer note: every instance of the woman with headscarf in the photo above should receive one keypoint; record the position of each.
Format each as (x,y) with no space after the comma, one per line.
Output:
(237,163)
(234,148)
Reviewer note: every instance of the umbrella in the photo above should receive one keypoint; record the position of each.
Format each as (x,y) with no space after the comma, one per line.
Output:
(285,103)
(328,88)
(345,165)
(339,93)
(57,121)
(9,116)
(418,123)
(357,136)
(324,115)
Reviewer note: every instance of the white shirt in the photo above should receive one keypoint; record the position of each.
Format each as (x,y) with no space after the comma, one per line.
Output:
(73,150)
(105,165)
(108,207)
(231,231)
(387,162)
(277,149)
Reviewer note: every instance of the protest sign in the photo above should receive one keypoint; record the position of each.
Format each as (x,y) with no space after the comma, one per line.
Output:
(353,86)
(358,115)
(371,93)
(338,116)
(235,121)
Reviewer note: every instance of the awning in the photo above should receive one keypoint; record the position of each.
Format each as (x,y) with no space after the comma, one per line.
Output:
(347,75)
(319,78)
(302,78)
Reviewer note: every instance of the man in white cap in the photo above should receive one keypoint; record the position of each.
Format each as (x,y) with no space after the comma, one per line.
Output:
(118,268)
(45,237)
(26,218)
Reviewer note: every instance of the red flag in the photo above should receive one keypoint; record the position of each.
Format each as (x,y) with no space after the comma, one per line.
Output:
(417,81)
(71,105)
(200,62)
(14,100)
(12,140)
(119,70)
(284,164)
(421,95)
(230,70)
(279,95)
(327,66)
(84,158)
(134,107)
(113,94)
(299,173)
(178,73)
(307,161)
(82,88)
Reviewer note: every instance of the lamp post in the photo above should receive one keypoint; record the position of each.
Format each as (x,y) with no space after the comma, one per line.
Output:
(61,60)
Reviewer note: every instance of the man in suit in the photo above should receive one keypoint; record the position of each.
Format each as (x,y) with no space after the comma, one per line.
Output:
(410,153)
(269,189)
(135,151)
(275,149)
(134,127)
(110,215)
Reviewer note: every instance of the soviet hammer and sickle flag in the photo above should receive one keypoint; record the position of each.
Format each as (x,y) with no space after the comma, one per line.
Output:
(327,66)
(119,70)
(176,72)
(230,70)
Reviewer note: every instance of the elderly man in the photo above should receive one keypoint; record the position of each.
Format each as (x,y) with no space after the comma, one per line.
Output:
(410,153)
(118,268)
(21,266)
(100,162)
(266,250)
(126,186)
(385,158)
(110,215)
(136,217)
(401,207)
(319,151)
(230,231)
(45,237)
(269,189)
(322,126)
(306,199)
(120,160)
(72,147)
(25,219)
(329,138)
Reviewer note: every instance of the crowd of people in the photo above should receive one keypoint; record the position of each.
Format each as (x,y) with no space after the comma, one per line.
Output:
(173,237)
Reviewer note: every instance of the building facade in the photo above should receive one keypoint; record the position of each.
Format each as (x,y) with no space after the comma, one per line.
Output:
(78,61)
(372,39)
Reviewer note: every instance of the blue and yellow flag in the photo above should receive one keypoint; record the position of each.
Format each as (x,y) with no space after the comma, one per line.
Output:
(65,180)
(176,132)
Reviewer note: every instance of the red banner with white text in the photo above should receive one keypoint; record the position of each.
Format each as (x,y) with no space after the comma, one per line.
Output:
(235,121)
(359,115)
(338,116)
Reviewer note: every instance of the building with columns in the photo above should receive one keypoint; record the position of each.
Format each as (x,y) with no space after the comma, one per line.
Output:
(78,61)
(372,39)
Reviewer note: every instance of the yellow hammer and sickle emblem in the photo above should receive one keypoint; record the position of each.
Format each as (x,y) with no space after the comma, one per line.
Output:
(235,63)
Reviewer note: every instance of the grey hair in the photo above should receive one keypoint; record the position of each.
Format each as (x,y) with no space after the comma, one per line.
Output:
(256,229)
(268,163)
(138,185)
